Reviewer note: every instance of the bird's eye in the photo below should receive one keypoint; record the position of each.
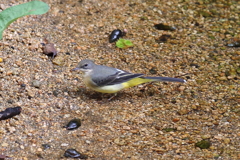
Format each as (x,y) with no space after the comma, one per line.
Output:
(85,65)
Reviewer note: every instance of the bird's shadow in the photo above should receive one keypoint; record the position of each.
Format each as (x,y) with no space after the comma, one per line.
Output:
(146,91)
(89,94)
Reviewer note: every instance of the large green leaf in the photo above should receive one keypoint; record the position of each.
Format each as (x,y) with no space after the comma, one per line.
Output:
(12,13)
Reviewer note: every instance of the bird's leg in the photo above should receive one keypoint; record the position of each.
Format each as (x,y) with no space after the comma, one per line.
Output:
(109,99)
(106,100)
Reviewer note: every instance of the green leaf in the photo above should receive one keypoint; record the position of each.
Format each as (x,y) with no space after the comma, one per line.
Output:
(11,14)
(124,43)
(128,43)
(120,43)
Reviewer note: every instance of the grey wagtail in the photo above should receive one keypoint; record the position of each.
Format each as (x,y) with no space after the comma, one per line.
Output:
(111,80)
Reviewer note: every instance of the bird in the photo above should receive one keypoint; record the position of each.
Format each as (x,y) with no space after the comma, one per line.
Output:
(111,80)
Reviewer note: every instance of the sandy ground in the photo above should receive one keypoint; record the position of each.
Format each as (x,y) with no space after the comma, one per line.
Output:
(150,121)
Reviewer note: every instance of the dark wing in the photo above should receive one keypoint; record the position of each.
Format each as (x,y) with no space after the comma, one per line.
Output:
(106,80)
(124,77)
(117,78)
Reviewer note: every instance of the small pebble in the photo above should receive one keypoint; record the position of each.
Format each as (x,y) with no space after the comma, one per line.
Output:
(226,140)
(162,26)
(50,50)
(207,136)
(120,141)
(181,88)
(36,83)
(2,157)
(22,147)
(4,144)
(163,38)
(72,153)
(203,144)
(223,78)
(175,119)
(10,112)
(46,146)
(2,6)
(64,144)
(73,124)
(235,43)
(30,93)
(153,70)
(59,61)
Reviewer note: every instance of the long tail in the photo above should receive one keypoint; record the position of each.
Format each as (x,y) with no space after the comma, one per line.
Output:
(167,79)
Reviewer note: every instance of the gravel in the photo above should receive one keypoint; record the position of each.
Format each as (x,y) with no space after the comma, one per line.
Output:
(150,121)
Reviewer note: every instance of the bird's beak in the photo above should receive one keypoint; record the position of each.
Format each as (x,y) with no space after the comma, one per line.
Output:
(75,69)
